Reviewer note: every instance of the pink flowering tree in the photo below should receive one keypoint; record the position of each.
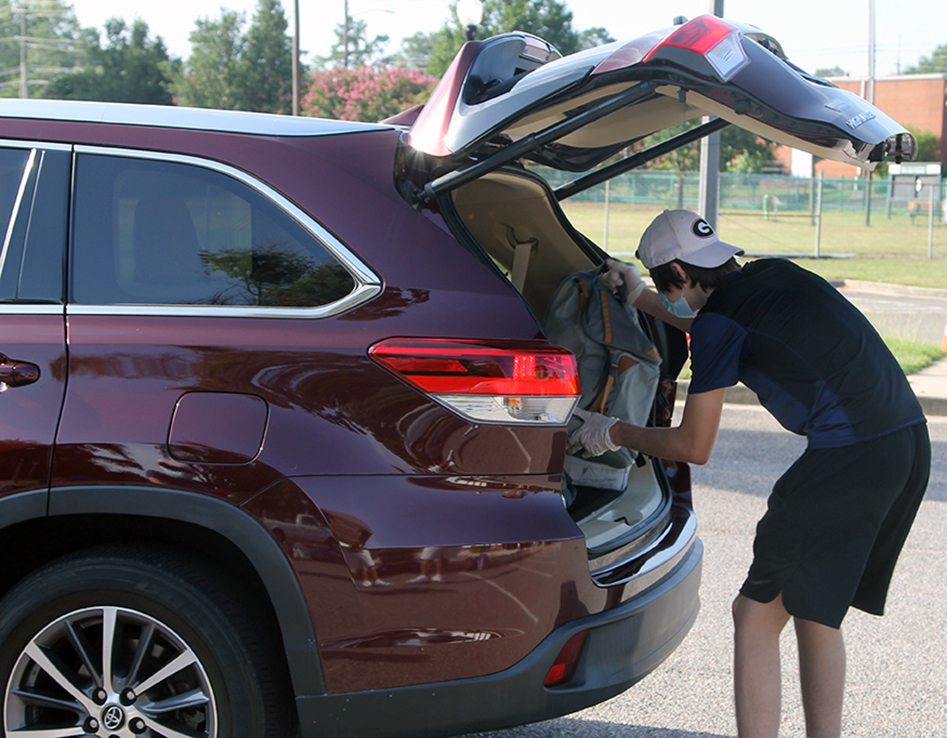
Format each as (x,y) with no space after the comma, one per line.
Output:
(367,94)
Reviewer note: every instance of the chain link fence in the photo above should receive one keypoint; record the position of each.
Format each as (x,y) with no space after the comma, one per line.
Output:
(777,213)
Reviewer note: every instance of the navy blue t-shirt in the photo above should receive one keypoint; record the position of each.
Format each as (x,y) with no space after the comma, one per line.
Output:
(813,359)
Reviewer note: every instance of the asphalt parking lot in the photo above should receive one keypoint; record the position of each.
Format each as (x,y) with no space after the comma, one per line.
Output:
(897,676)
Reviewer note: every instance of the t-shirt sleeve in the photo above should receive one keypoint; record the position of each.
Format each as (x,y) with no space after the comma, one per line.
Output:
(717,343)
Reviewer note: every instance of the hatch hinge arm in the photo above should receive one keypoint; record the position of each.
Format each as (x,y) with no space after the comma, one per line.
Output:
(636,160)
(514,151)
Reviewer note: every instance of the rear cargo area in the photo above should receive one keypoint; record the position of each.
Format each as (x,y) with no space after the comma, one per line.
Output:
(618,502)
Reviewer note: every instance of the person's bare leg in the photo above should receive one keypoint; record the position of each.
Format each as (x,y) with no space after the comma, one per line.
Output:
(756,674)
(822,676)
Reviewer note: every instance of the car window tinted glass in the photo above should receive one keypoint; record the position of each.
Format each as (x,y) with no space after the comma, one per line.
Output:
(12,162)
(153,232)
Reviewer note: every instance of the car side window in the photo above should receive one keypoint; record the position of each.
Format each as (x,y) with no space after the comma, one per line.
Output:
(34,189)
(157,232)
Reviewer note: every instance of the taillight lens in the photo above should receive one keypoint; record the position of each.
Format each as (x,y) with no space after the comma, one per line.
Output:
(714,39)
(563,669)
(487,381)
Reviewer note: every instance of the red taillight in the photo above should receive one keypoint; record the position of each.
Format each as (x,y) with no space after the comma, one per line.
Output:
(563,669)
(480,367)
(488,381)
(700,35)
(712,38)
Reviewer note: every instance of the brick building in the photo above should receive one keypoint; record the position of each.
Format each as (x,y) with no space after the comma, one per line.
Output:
(916,100)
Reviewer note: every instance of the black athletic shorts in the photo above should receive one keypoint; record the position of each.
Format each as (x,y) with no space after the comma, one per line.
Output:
(836,523)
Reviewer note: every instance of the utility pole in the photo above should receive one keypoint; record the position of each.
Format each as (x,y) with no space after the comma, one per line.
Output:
(871,92)
(710,160)
(295,57)
(24,80)
(345,37)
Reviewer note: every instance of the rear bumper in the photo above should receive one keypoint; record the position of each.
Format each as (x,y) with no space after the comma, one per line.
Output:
(623,645)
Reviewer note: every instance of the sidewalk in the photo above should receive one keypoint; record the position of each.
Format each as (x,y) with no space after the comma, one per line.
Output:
(930,386)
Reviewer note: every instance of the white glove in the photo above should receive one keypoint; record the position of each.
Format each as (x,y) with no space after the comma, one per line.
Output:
(620,273)
(593,435)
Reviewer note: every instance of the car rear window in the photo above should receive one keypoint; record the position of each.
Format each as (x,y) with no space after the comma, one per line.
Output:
(160,232)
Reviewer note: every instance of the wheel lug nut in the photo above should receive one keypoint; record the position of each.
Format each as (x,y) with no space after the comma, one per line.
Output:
(91,725)
(128,697)
(137,725)
(99,696)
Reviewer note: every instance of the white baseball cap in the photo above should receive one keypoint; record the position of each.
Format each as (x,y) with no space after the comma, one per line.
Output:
(683,235)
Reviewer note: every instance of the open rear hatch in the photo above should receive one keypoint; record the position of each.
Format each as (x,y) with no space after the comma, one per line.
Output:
(513,97)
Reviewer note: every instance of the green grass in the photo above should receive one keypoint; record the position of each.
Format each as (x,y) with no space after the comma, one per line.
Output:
(893,251)
(912,356)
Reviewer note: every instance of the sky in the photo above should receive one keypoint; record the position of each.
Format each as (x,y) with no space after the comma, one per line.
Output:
(815,34)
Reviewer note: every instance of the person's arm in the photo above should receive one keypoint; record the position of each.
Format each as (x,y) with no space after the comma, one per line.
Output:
(692,441)
(639,295)
(649,302)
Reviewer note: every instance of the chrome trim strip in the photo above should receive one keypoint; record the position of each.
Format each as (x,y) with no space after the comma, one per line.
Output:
(22,308)
(10,143)
(367,282)
(27,170)
(359,295)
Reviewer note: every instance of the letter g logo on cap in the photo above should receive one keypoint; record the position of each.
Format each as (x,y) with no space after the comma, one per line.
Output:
(702,229)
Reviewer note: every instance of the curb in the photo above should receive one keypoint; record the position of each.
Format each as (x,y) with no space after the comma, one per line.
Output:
(888,288)
(741,395)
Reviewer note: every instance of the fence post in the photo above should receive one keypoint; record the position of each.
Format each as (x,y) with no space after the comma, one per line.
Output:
(818,219)
(930,225)
(868,200)
(607,201)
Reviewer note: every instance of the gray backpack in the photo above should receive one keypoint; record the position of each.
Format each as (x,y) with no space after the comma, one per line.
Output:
(618,366)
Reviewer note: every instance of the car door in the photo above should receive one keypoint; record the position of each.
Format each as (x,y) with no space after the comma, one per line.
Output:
(512,97)
(34,181)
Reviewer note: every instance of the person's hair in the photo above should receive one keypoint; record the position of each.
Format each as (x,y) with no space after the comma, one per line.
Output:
(708,278)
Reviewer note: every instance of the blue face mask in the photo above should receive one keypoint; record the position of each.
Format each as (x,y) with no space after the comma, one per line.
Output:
(681,308)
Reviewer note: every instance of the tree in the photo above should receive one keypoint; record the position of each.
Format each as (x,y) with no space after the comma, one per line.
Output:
(549,19)
(835,71)
(354,49)
(365,93)
(212,76)
(592,37)
(928,147)
(936,62)
(130,68)
(740,150)
(46,33)
(233,70)
(267,61)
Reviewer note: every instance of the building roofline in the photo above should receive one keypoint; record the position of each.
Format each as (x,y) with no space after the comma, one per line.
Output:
(171,116)
(929,75)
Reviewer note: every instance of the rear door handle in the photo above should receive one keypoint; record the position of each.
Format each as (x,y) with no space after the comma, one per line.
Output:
(16,373)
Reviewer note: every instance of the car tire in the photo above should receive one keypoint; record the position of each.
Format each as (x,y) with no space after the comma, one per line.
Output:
(187,654)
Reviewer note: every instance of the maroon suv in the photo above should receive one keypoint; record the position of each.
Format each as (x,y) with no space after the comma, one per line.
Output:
(281,436)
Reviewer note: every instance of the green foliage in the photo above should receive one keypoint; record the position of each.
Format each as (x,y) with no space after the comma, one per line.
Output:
(267,61)
(913,356)
(212,75)
(365,93)
(928,146)
(835,71)
(551,20)
(50,33)
(233,70)
(131,67)
(740,151)
(595,36)
(936,62)
(356,50)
